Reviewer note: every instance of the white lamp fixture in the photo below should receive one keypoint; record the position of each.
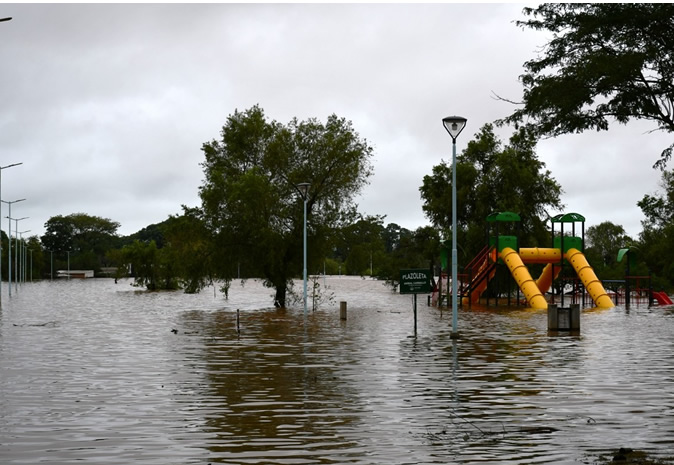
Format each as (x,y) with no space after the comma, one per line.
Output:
(454,125)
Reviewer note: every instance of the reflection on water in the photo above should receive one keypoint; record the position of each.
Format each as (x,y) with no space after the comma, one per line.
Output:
(102,373)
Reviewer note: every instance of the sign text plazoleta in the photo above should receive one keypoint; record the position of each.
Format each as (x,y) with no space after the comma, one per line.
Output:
(415,281)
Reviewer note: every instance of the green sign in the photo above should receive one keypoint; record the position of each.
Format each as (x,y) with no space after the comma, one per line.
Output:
(415,281)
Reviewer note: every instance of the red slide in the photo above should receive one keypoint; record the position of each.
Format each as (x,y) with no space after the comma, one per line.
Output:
(662,298)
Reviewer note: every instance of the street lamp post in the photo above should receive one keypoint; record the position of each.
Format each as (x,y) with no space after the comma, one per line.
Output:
(454,125)
(2,168)
(9,221)
(17,264)
(22,255)
(304,189)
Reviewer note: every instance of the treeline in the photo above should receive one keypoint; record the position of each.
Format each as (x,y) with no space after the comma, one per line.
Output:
(176,253)
(196,249)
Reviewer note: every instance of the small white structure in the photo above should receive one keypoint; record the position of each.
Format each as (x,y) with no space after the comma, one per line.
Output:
(81,274)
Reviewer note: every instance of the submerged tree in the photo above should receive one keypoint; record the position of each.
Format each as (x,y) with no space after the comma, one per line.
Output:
(605,61)
(250,197)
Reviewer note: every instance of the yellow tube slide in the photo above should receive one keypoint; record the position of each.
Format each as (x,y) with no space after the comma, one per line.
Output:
(589,278)
(540,255)
(544,281)
(521,274)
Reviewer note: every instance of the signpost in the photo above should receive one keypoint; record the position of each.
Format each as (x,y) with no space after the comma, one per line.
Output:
(415,282)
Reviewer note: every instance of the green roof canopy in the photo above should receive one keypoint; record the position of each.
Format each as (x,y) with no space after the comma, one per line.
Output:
(568,218)
(631,253)
(503,216)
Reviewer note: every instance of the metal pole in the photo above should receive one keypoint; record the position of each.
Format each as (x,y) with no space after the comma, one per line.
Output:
(454,252)
(305,255)
(454,125)
(16,255)
(2,168)
(23,255)
(9,220)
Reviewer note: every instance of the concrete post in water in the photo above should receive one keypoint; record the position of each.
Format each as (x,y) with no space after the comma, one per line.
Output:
(564,319)
(574,316)
(342,310)
(553,322)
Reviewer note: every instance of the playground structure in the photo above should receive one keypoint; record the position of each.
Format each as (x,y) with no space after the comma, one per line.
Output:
(503,252)
(635,288)
(504,249)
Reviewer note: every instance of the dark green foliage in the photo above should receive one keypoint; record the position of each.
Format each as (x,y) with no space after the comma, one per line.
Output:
(361,245)
(150,266)
(605,62)
(657,237)
(189,247)
(602,243)
(250,201)
(85,238)
(492,178)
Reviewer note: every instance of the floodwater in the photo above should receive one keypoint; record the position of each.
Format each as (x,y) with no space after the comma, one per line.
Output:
(97,372)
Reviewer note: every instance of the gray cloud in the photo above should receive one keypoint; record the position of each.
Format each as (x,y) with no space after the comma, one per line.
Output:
(108,105)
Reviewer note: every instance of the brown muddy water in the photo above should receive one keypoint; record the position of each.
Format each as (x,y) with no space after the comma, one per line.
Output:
(91,372)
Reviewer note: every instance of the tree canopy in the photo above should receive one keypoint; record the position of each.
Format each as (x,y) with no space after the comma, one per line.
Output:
(87,236)
(492,177)
(605,62)
(250,197)
(657,237)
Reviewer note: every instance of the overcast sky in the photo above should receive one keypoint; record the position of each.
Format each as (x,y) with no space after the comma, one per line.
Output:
(107,106)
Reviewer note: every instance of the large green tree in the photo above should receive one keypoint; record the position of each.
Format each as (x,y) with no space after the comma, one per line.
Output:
(361,245)
(657,236)
(492,177)
(604,62)
(250,198)
(602,243)
(86,237)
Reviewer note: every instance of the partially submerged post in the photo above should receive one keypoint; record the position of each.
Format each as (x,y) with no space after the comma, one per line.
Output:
(564,319)
(342,310)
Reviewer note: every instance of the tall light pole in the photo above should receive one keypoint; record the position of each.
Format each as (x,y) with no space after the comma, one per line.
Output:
(9,221)
(454,125)
(22,256)
(17,264)
(304,189)
(2,168)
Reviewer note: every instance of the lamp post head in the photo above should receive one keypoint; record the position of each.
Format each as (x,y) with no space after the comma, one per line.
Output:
(303,187)
(454,125)
(9,202)
(5,19)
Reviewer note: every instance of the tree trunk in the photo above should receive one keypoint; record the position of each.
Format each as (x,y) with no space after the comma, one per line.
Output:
(280,298)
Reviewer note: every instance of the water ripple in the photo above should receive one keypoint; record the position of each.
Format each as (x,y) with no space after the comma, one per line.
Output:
(97,372)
